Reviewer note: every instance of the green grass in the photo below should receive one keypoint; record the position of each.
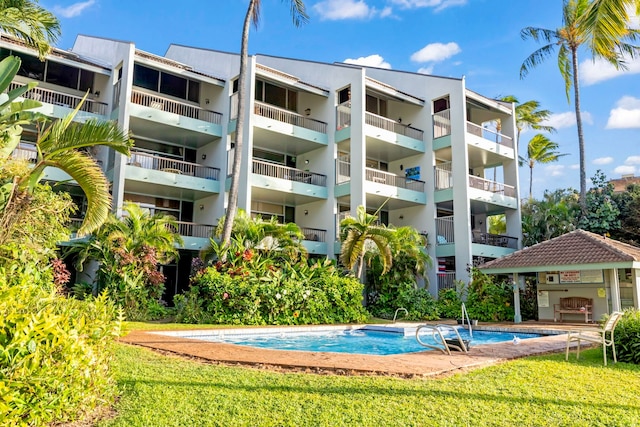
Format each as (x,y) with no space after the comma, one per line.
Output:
(537,391)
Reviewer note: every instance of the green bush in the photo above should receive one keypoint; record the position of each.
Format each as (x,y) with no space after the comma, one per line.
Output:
(449,303)
(54,354)
(418,302)
(299,294)
(488,301)
(627,336)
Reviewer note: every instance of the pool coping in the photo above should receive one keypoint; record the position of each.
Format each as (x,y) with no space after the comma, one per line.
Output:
(420,364)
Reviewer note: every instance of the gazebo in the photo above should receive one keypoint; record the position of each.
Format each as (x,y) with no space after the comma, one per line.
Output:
(576,264)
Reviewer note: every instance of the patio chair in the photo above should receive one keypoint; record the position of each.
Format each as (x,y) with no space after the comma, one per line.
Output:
(603,335)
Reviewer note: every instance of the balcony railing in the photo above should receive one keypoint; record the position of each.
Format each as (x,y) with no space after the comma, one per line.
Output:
(446,280)
(149,161)
(25,154)
(285,116)
(175,107)
(444,230)
(75,223)
(381,177)
(393,126)
(489,135)
(49,96)
(343,170)
(441,124)
(492,186)
(314,234)
(494,239)
(443,176)
(192,229)
(275,170)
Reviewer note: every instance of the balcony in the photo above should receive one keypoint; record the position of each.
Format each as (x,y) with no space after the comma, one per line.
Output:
(386,178)
(494,240)
(315,240)
(446,280)
(490,135)
(175,107)
(60,104)
(289,117)
(491,186)
(275,170)
(164,164)
(272,180)
(29,154)
(195,236)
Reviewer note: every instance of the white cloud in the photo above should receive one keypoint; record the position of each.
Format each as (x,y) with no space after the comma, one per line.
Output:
(336,10)
(438,5)
(426,70)
(73,10)
(555,170)
(592,72)
(632,160)
(436,52)
(374,60)
(387,11)
(567,119)
(574,166)
(603,161)
(626,115)
(625,170)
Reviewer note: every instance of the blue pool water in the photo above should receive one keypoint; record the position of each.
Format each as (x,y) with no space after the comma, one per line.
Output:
(358,341)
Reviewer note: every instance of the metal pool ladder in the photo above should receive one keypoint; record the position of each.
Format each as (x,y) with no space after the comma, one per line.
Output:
(406,313)
(465,313)
(441,343)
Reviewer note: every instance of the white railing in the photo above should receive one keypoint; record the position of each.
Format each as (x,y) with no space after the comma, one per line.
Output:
(489,135)
(343,170)
(164,164)
(314,234)
(343,118)
(441,123)
(192,229)
(443,176)
(275,170)
(62,99)
(381,177)
(339,218)
(494,239)
(25,154)
(446,280)
(175,107)
(444,230)
(116,95)
(491,186)
(285,116)
(393,126)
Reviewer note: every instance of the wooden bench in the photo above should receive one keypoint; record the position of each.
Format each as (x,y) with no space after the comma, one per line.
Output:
(574,305)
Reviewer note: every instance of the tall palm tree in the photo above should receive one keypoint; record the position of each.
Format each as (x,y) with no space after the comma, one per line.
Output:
(601,26)
(539,150)
(299,14)
(30,22)
(356,233)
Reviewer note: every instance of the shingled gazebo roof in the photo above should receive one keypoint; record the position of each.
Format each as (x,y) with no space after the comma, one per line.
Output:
(577,250)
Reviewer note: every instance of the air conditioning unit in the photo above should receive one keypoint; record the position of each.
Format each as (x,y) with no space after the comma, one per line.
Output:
(553,278)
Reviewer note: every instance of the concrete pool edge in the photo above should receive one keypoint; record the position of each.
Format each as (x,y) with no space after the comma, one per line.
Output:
(422,364)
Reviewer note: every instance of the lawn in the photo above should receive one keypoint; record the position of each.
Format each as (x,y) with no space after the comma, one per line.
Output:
(168,391)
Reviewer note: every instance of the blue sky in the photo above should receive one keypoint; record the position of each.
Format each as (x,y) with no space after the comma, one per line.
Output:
(478,39)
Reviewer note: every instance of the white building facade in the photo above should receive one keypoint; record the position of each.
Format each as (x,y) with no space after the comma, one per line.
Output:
(319,140)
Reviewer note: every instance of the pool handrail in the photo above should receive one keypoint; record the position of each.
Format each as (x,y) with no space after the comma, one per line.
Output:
(436,331)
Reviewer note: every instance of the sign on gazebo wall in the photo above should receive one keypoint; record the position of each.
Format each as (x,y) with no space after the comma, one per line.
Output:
(571,276)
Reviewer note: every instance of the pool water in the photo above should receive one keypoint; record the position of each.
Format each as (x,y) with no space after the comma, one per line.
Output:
(358,341)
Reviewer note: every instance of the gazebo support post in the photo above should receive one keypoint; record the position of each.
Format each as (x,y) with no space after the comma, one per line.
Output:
(517,318)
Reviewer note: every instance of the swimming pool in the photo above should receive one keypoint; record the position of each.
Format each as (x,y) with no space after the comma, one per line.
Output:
(354,341)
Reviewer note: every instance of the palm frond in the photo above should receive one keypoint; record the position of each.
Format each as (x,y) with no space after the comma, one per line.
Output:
(536,58)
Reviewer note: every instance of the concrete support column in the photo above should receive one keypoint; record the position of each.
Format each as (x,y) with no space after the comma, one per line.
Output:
(517,318)
(615,289)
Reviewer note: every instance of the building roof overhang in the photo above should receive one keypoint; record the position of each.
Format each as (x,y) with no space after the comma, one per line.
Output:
(289,80)
(392,92)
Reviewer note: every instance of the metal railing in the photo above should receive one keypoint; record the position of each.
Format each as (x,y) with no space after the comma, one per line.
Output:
(285,116)
(25,154)
(444,230)
(275,170)
(491,186)
(441,123)
(343,170)
(446,280)
(116,95)
(75,223)
(393,126)
(192,229)
(489,135)
(494,239)
(314,234)
(443,176)
(164,164)
(175,107)
(49,96)
(381,177)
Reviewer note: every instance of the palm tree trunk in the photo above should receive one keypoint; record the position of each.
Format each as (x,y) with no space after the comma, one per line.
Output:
(530,182)
(232,203)
(576,92)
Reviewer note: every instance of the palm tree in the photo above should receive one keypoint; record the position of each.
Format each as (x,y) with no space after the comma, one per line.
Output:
(299,15)
(529,115)
(539,150)
(599,25)
(31,23)
(357,233)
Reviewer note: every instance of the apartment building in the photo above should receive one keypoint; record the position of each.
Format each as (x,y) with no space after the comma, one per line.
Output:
(319,140)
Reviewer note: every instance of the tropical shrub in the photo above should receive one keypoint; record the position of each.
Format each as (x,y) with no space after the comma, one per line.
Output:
(450,302)
(249,288)
(54,363)
(627,337)
(489,301)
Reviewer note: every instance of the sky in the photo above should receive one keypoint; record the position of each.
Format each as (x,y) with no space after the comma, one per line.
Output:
(477,39)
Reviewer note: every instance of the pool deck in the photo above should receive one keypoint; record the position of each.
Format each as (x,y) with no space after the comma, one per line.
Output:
(422,364)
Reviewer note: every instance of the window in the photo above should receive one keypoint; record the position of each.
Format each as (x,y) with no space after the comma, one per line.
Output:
(145,77)
(376,105)
(276,95)
(441,104)
(194,91)
(62,75)
(344,95)
(166,83)
(173,86)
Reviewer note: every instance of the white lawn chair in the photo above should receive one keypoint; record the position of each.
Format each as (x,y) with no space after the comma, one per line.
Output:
(596,335)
